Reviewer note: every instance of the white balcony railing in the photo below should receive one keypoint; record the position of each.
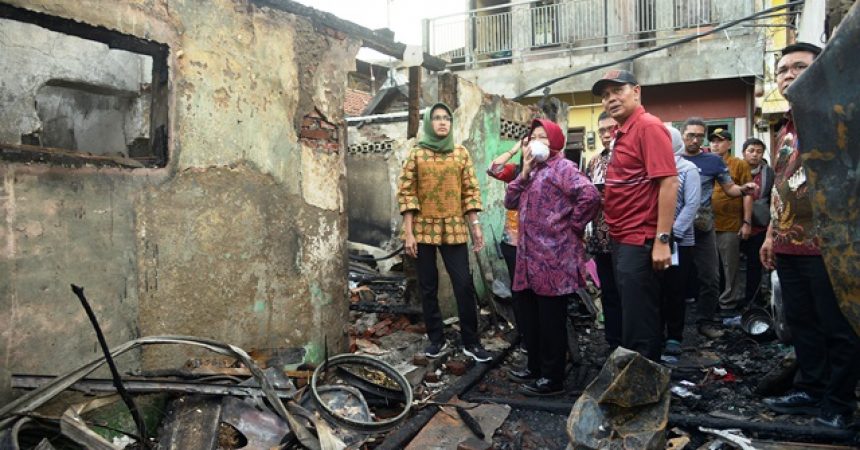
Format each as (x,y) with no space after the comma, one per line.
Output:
(501,33)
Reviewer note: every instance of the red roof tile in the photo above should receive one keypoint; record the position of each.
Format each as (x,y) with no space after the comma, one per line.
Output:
(355,102)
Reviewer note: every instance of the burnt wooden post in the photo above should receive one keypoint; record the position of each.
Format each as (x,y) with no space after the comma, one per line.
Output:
(414,101)
(448,90)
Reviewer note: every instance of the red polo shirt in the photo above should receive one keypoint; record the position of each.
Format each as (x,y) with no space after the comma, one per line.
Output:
(641,156)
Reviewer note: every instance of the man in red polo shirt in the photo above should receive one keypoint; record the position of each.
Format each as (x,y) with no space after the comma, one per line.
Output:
(639,205)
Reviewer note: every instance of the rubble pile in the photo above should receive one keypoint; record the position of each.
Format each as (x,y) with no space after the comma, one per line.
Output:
(386,394)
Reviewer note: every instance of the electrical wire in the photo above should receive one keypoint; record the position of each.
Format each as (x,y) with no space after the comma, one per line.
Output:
(371,258)
(674,43)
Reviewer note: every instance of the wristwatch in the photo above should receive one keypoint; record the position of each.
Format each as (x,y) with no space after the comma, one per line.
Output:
(663,237)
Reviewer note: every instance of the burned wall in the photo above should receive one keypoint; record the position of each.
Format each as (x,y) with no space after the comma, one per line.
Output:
(239,238)
(373,164)
(64,91)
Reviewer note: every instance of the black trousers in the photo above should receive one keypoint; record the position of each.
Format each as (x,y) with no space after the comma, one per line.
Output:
(674,292)
(828,350)
(509,252)
(640,289)
(707,262)
(750,248)
(610,299)
(456,259)
(546,334)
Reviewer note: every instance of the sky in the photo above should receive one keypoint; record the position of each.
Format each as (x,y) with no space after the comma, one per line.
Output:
(401,16)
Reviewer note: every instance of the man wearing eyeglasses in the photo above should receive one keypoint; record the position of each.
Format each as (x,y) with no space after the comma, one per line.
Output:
(828,350)
(712,169)
(598,242)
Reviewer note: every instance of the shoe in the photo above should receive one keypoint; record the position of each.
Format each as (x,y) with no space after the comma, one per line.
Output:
(710,331)
(435,349)
(726,313)
(542,387)
(672,348)
(669,360)
(522,376)
(795,402)
(477,353)
(832,420)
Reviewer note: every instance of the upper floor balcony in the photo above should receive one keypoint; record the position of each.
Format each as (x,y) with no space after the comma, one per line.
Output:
(520,30)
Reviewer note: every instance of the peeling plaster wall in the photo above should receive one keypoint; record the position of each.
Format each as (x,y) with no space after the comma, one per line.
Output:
(240,238)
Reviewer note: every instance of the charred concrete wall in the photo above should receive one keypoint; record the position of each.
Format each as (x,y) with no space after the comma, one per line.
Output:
(55,96)
(239,238)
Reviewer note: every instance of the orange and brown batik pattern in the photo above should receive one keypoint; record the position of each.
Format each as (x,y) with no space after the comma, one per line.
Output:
(440,188)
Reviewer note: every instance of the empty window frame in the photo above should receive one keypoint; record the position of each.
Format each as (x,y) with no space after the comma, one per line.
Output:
(76,94)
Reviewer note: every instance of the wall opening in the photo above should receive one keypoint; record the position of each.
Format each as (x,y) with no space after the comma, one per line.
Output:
(76,94)
(575,145)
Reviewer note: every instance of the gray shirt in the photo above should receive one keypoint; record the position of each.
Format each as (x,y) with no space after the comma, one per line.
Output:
(688,202)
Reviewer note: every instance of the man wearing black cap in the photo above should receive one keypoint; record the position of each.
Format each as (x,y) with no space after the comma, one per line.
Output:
(732,220)
(641,187)
(828,350)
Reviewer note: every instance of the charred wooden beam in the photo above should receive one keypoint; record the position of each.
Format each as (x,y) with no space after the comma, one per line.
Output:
(527,404)
(414,101)
(372,39)
(773,430)
(148,386)
(399,438)
(448,90)
(770,430)
(373,307)
(31,153)
(113,39)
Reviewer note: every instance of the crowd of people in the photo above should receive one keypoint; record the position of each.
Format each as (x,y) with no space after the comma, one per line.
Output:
(668,219)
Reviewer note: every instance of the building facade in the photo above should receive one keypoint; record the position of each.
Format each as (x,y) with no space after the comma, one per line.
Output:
(508,48)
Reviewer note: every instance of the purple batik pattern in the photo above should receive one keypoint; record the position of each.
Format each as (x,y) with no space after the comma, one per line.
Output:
(554,206)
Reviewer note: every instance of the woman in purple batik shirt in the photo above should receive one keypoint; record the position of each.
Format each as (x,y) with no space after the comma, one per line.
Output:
(555,202)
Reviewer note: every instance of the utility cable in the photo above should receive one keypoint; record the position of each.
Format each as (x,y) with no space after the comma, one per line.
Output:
(674,43)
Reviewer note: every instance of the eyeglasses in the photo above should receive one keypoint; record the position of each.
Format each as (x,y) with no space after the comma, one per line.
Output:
(692,136)
(796,69)
(441,118)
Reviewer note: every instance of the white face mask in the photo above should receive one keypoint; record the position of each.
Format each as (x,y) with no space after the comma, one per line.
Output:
(539,151)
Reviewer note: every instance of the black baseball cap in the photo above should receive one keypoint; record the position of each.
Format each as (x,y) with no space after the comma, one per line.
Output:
(614,76)
(721,133)
(802,47)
